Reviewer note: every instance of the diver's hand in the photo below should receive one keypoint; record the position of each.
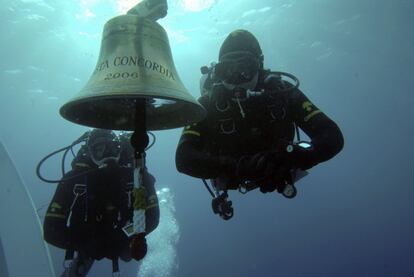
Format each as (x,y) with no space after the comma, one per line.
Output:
(286,157)
(138,246)
(257,166)
(277,181)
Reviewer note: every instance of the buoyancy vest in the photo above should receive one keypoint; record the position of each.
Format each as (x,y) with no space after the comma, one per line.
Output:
(240,124)
(88,212)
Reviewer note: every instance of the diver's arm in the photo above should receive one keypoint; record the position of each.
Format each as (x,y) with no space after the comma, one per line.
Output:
(326,137)
(191,160)
(152,211)
(55,230)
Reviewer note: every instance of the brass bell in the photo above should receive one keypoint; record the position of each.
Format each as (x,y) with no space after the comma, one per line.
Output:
(135,63)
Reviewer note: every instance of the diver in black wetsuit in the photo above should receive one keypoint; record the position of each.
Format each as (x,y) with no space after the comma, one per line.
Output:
(250,125)
(93,205)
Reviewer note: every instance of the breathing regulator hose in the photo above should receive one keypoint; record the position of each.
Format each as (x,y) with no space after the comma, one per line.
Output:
(66,149)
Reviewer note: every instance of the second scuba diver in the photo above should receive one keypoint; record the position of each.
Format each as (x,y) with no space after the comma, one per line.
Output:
(93,205)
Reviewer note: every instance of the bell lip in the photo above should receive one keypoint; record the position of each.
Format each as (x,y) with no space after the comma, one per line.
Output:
(198,113)
(128,95)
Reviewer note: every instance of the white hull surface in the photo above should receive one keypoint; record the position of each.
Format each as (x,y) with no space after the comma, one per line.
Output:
(22,249)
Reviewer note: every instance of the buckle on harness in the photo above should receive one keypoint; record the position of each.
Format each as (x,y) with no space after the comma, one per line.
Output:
(277,112)
(227,126)
(223,108)
(78,190)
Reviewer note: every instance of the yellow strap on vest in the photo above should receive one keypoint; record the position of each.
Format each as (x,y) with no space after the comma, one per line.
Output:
(140,202)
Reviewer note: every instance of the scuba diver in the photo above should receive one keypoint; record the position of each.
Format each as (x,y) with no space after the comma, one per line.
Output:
(92,208)
(247,140)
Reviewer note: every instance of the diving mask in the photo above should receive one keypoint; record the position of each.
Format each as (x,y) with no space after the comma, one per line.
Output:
(104,150)
(237,67)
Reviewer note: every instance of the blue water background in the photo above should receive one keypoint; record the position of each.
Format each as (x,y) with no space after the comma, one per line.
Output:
(353,215)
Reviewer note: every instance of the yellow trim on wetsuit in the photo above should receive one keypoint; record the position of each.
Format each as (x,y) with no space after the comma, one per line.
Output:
(189,132)
(307,106)
(140,203)
(82,165)
(56,205)
(312,114)
(56,215)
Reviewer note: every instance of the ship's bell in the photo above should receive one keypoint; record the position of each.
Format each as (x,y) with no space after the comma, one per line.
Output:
(135,63)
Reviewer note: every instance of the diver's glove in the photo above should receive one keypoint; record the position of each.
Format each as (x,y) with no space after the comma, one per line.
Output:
(272,168)
(263,169)
(286,157)
(138,246)
(277,181)
(256,167)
